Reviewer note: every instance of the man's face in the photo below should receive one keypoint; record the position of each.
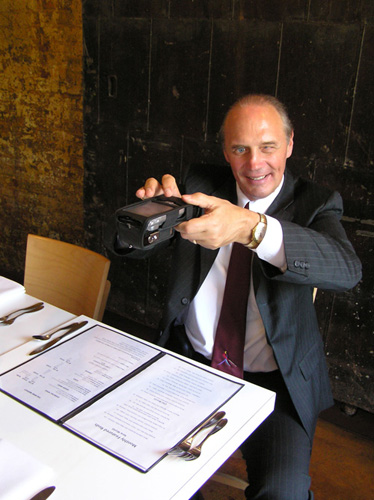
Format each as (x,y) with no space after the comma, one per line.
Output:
(256,147)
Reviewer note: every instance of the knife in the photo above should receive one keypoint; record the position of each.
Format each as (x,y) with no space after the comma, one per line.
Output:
(73,328)
(48,336)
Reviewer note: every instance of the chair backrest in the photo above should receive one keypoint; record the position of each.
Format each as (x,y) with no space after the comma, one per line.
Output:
(67,276)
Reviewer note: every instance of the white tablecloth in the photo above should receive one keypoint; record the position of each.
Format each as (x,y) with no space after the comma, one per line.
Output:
(86,472)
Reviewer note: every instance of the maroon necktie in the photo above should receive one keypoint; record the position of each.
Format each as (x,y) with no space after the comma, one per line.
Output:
(228,347)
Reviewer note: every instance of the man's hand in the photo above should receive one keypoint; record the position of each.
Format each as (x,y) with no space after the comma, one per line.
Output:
(152,187)
(221,224)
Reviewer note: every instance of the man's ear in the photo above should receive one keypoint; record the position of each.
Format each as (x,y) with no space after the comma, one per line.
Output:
(290,146)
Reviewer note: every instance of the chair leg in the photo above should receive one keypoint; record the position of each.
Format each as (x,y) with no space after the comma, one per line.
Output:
(229,480)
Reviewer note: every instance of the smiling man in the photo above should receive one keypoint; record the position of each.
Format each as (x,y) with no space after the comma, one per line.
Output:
(290,228)
(257,144)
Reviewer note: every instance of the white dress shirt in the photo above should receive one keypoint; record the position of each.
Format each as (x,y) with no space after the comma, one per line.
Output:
(203,313)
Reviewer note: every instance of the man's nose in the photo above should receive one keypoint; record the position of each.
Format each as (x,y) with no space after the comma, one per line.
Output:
(253,159)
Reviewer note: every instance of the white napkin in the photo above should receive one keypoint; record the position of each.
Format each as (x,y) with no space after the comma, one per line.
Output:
(22,476)
(9,288)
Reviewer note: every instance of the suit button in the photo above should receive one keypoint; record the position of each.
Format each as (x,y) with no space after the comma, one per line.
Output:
(307,265)
(296,263)
(184,301)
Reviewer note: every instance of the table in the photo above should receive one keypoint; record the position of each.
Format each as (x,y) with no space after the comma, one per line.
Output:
(84,471)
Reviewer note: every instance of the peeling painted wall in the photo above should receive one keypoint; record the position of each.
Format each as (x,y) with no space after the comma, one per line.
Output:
(41,126)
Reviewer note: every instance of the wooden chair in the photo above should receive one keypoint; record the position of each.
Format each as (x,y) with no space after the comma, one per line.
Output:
(67,276)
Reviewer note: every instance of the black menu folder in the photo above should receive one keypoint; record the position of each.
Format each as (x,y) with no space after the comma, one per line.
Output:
(121,394)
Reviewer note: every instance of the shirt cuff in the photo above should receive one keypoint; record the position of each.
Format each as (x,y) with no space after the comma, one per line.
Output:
(271,248)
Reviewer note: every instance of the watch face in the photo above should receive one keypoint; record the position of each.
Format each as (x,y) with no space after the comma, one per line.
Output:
(260,231)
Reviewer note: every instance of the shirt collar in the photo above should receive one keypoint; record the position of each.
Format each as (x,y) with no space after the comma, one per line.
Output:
(260,205)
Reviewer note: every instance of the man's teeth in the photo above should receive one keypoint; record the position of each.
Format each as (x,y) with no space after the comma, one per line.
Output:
(258,178)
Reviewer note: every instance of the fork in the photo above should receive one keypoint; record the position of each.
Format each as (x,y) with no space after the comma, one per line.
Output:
(195,452)
(6,320)
(181,448)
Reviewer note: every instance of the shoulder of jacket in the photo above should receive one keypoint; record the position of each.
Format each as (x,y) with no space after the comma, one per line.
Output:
(310,191)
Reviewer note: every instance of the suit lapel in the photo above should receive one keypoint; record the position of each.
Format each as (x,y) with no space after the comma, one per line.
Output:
(280,208)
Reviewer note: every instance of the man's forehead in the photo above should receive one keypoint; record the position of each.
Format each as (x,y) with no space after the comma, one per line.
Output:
(262,119)
(253,112)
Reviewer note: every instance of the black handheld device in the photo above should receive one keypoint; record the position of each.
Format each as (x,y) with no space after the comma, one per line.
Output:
(151,221)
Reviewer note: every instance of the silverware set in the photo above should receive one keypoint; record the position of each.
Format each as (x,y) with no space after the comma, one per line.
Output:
(185,448)
(69,329)
(11,317)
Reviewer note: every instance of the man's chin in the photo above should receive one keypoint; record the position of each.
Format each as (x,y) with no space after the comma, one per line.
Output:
(256,191)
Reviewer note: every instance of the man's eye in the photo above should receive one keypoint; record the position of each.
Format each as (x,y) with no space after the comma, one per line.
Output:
(239,150)
(268,149)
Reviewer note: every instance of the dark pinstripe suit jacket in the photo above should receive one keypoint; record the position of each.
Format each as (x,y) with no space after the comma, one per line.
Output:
(318,254)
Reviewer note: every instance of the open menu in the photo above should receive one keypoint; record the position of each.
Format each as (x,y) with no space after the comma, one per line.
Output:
(119,393)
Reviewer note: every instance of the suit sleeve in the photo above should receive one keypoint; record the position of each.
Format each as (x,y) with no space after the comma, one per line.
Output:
(318,252)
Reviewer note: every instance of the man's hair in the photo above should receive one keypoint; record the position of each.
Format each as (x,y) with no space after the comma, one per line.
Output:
(260,99)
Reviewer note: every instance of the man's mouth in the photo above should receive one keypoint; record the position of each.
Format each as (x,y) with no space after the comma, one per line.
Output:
(260,178)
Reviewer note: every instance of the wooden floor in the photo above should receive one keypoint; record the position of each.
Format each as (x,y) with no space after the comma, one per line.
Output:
(342,466)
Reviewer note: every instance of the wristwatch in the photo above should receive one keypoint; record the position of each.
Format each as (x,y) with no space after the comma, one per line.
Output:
(258,233)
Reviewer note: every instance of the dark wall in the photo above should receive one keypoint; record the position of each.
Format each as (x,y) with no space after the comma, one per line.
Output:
(159,77)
